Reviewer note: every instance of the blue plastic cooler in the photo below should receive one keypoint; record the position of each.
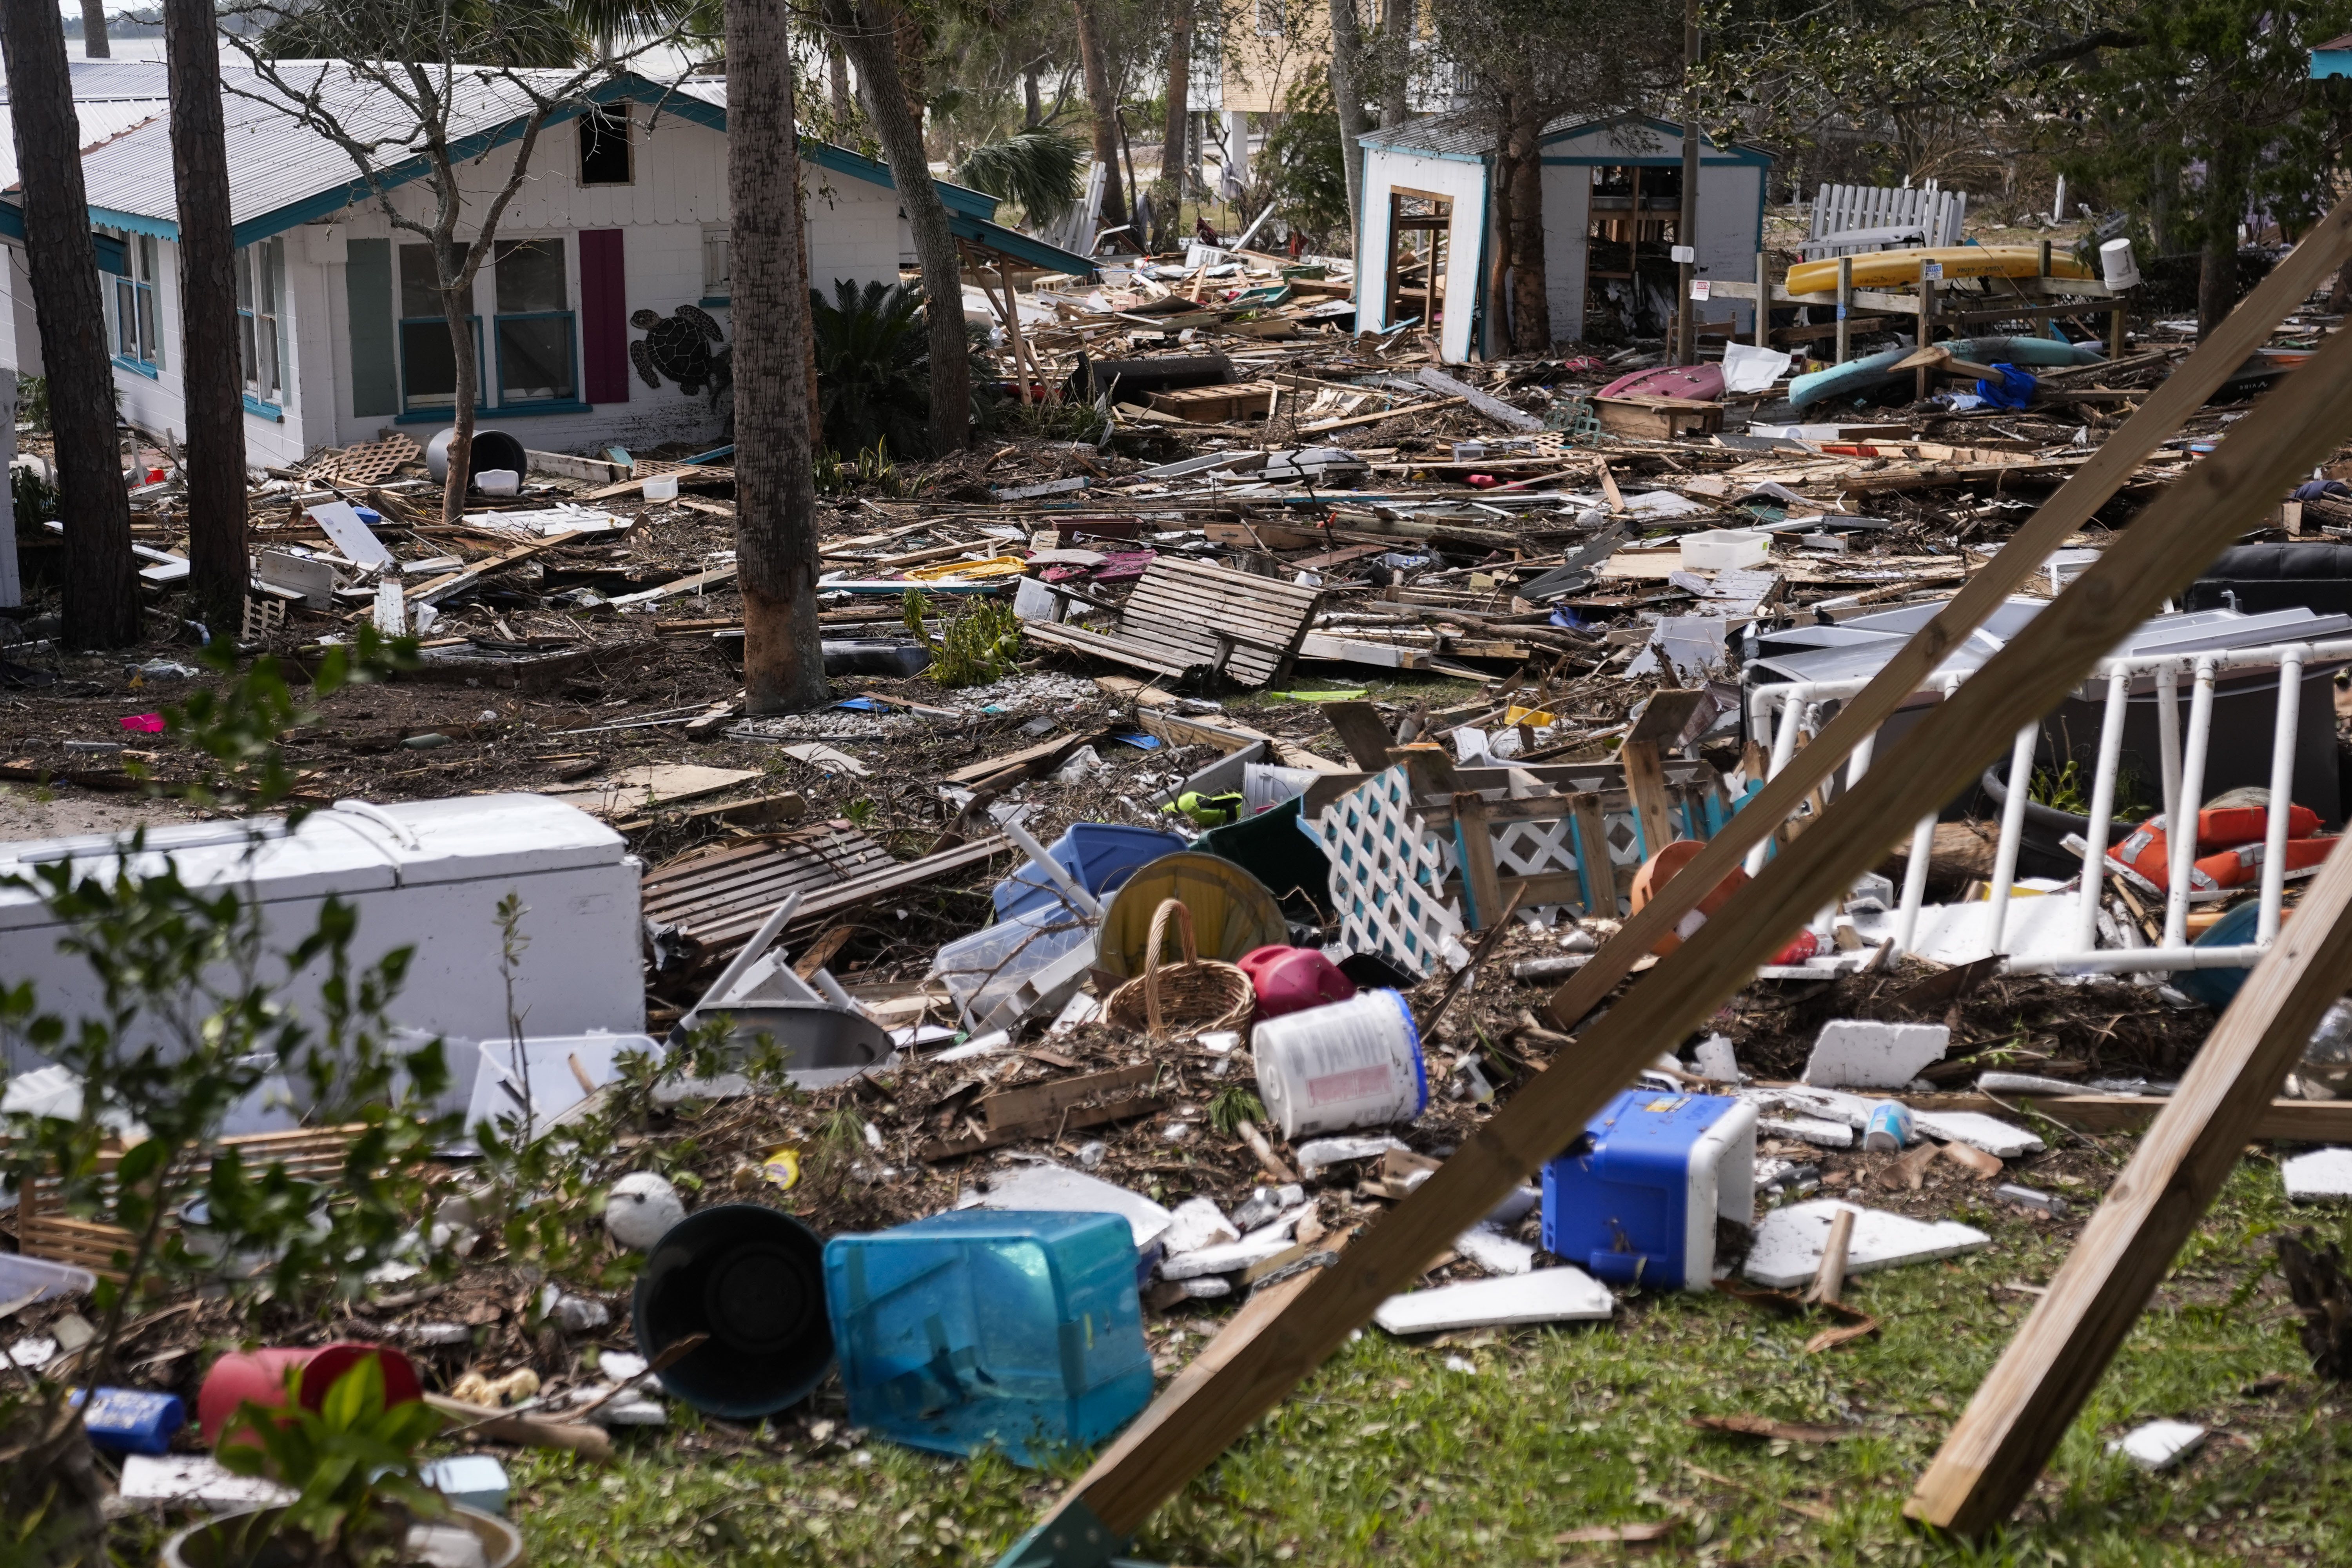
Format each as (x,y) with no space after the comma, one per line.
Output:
(1638,1205)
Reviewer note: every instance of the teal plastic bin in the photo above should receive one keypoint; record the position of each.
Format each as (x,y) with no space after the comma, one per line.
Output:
(981,1327)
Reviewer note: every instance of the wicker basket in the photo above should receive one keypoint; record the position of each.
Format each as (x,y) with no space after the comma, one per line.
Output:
(1196,994)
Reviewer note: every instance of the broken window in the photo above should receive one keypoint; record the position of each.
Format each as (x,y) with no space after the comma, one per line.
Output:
(604,145)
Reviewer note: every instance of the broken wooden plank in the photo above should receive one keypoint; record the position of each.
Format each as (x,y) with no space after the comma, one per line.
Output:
(1076,1119)
(2010,1429)
(2168,543)
(457,582)
(1493,407)
(1037,1101)
(1427,405)
(2093,485)
(710,579)
(2294,1120)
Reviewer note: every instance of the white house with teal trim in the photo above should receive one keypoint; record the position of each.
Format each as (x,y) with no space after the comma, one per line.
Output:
(622,220)
(1451,159)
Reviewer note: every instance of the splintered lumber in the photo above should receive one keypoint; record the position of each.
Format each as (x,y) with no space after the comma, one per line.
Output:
(2019,1413)
(2168,543)
(1494,408)
(2293,1121)
(457,582)
(2246,329)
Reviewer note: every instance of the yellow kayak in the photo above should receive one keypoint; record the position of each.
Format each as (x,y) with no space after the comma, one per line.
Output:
(1883,269)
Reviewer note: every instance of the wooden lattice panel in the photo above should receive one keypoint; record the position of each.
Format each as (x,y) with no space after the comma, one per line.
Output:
(371,462)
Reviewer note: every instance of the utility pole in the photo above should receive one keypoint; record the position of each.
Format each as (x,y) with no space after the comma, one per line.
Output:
(1686,227)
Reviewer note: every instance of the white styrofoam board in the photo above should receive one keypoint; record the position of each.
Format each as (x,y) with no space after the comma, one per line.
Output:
(1057,1188)
(1541,1296)
(2159,1444)
(2322,1176)
(1788,1250)
(1978,1130)
(1807,1130)
(1230,1259)
(1197,1223)
(1855,1052)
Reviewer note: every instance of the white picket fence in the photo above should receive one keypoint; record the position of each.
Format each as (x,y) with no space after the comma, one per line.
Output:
(1851,218)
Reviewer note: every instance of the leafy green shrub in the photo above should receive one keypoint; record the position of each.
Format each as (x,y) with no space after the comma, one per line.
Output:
(33,401)
(36,498)
(980,644)
(351,1464)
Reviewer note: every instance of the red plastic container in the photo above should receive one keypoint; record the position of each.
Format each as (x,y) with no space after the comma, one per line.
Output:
(260,1376)
(1293,979)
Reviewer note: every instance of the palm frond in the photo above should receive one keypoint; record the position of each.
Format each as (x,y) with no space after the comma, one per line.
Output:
(1037,170)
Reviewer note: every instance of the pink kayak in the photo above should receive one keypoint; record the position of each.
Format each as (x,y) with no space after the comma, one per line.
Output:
(1702,383)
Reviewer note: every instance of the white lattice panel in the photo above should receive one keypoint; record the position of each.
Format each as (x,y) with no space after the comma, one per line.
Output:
(1387,868)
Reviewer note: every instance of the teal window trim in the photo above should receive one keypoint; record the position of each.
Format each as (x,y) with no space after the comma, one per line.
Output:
(714,301)
(506,411)
(401,326)
(261,410)
(571,342)
(124,362)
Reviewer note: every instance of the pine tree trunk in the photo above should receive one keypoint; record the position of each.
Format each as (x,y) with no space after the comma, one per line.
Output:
(1103,108)
(94,45)
(1178,142)
(2217,279)
(1396,61)
(211,372)
(868,29)
(101,598)
(1346,93)
(836,76)
(775,498)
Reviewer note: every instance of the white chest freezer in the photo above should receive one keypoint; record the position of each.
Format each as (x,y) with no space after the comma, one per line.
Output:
(427,875)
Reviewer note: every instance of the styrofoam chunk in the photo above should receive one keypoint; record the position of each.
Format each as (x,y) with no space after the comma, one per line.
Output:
(1493,1251)
(1717,1059)
(1230,1259)
(1788,1250)
(2159,1444)
(1318,1153)
(1059,1189)
(1207,1287)
(1540,1296)
(1197,1223)
(1806,1129)
(2322,1176)
(1854,1054)
(194,1477)
(1978,1130)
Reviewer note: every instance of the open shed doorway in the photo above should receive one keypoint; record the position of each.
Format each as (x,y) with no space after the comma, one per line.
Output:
(1634,221)
(1420,223)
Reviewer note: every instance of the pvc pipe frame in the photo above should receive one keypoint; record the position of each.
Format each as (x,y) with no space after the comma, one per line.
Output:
(2184,757)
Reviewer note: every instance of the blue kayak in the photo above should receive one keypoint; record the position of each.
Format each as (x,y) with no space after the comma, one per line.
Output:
(1858,377)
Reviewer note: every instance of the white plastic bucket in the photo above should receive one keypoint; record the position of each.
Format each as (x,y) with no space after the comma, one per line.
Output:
(498,482)
(1351,1064)
(662,486)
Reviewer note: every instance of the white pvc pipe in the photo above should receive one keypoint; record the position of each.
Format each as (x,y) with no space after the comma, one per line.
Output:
(2168,735)
(2102,807)
(2180,826)
(1784,746)
(2282,738)
(2133,960)
(2012,829)
(1915,883)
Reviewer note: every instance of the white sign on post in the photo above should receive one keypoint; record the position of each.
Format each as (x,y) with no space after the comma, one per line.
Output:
(1698,289)
(1931,272)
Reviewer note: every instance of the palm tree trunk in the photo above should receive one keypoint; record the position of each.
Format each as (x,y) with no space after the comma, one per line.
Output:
(214,391)
(1103,105)
(775,498)
(93,31)
(102,599)
(868,29)
(1173,162)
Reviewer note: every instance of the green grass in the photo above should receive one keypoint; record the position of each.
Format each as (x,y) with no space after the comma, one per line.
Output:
(1387,1455)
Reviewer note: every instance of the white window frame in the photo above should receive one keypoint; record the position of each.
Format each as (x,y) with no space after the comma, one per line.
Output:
(261,321)
(718,264)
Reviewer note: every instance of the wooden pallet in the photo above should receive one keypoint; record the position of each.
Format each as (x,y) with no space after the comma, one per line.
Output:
(717,899)
(1184,615)
(1217,404)
(45,1230)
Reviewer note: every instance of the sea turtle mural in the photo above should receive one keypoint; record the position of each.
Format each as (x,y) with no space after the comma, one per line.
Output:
(677,346)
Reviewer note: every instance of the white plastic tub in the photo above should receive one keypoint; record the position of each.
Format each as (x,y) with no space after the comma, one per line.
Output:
(1725,550)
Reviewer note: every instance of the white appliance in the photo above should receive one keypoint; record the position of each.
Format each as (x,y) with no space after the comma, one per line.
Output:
(422,874)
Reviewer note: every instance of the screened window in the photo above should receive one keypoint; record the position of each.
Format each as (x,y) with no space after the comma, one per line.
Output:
(428,364)
(535,322)
(604,145)
(138,334)
(261,327)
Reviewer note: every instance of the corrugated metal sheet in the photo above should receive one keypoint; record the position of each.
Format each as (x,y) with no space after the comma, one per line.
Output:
(100,120)
(1461,134)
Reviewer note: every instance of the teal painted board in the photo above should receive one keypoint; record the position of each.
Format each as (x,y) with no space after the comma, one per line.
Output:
(367,288)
